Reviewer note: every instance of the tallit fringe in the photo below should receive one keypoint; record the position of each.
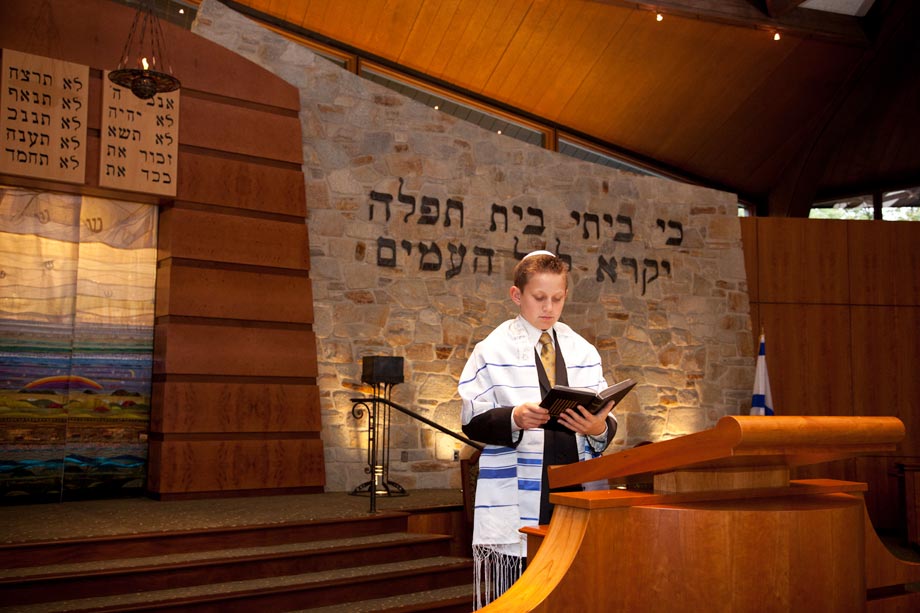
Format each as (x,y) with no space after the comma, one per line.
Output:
(494,572)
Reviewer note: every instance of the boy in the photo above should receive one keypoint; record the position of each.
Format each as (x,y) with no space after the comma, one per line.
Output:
(501,387)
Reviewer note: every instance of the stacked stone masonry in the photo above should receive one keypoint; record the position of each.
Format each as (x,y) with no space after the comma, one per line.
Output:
(415,221)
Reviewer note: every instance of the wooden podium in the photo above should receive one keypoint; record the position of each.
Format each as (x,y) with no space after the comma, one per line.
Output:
(724,528)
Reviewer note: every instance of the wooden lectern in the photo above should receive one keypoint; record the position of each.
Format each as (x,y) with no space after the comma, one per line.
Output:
(724,528)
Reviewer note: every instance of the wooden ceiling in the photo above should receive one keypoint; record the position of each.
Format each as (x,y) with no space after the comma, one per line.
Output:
(831,109)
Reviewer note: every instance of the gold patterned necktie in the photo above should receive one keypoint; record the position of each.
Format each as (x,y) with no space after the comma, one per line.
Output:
(548,357)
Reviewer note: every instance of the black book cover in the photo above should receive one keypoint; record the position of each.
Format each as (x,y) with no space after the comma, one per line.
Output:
(562,397)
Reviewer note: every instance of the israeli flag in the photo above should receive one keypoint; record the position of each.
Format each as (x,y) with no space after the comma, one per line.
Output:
(762,403)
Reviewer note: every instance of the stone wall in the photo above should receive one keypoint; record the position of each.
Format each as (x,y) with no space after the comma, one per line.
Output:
(416,220)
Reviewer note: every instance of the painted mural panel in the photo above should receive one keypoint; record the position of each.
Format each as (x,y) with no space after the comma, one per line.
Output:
(76,337)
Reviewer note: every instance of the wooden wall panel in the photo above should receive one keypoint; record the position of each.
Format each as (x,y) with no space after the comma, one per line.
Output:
(452,522)
(885,487)
(229,75)
(808,357)
(236,239)
(885,262)
(261,185)
(93,32)
(749,242)
(857,357)
(241,184)
(756,326)
(187,289)
(246,131)
(886,354)
(235,407)
(255,351)
(232,406)
(802,262)
(234,466)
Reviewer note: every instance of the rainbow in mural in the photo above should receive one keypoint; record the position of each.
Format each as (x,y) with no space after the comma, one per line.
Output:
(62,382)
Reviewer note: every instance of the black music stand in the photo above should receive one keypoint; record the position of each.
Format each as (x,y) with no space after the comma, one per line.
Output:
(382,372)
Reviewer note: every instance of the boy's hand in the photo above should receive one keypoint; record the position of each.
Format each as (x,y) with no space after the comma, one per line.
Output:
(530,415)
(581,421)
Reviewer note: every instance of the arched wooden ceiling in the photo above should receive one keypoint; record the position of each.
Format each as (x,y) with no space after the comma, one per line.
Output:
(830,109)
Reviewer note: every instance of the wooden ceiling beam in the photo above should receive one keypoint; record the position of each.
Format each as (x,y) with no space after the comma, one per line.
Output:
(743,13)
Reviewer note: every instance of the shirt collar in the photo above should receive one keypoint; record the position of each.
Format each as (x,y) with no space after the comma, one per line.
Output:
(533,333)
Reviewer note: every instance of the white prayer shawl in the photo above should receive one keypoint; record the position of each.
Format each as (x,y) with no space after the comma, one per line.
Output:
(502,372)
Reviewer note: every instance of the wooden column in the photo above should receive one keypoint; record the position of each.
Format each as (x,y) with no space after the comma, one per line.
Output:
(235,402)
(235,407)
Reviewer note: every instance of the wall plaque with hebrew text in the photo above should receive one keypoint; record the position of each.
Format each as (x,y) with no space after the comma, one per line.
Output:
(43,120)
(139,141)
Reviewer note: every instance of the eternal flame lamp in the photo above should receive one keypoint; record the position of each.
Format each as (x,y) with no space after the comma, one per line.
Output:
(143,68)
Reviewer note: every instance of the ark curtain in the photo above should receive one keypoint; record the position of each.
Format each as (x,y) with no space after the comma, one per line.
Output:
(77,280)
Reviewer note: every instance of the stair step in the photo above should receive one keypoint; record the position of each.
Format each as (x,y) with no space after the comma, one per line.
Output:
(281,593)
(108,577)
(458,598)
(63,551)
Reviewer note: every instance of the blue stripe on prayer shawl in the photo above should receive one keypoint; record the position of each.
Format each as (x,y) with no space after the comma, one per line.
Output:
(530,485)
(579,366)
(497,473)
(488,391)
(534,462)
(492,364)
(496,451)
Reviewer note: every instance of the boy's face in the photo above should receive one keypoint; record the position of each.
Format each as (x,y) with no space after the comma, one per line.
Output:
(542,299)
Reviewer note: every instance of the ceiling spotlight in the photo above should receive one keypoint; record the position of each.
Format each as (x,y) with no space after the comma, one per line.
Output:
(659,17)
(499,131)
(436,107)
(776,36)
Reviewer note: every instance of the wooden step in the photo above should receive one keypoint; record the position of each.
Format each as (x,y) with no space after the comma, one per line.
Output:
(397,561)
(348,588)
(25,585)
(72,550)
(458,599)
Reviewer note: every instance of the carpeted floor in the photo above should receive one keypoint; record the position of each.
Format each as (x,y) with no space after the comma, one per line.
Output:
(53,521)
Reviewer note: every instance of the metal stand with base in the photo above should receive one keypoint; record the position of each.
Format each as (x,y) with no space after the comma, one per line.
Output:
(382,372)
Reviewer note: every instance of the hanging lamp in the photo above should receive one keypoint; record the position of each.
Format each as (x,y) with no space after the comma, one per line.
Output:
(143,67)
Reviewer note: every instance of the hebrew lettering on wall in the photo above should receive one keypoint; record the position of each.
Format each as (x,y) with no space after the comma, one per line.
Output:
(43,120)
(139,141)
(611,246)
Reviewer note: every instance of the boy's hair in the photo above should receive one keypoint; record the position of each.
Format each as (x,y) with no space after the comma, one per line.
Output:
(536,264)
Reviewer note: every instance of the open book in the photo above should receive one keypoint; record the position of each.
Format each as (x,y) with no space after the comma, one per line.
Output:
(562,397)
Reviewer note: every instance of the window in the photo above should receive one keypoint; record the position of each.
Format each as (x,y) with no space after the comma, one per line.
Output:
(901,205)
(896,205)
(578,149)
(857,207)
(454,105)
